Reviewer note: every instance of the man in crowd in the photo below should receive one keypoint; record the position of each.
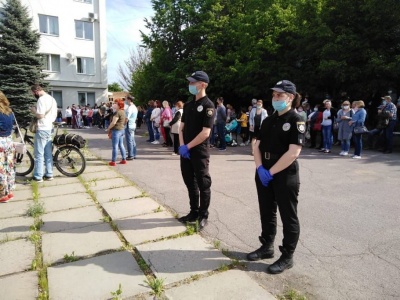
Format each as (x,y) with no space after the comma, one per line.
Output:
(45,112)
(130,121)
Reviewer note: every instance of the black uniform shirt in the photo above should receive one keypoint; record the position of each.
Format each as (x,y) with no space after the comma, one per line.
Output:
(196,115)
(278,132)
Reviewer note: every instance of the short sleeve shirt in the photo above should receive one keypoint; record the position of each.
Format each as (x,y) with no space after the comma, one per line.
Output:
(278,132)
(120,114)
(196,115)
(46,106)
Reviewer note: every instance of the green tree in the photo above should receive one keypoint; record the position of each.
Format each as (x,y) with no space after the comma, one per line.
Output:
(20,63)
(114,87)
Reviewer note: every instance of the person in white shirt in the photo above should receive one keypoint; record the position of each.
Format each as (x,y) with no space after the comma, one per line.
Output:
(131,114)
(46,112)
(68,115)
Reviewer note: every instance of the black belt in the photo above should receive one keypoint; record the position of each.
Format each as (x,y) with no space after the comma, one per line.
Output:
(269,155)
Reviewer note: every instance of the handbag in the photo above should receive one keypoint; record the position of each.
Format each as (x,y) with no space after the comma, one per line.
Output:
(360,130)
(165,123)
(20,148)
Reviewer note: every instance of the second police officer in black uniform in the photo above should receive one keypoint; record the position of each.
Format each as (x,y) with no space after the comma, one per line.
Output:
(196,124)
(278,145)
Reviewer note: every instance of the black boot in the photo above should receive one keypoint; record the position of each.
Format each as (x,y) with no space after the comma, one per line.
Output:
(191,217)
(284,262)
(265,251)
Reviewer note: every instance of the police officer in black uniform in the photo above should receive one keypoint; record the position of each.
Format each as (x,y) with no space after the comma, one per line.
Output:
(196,124)
(278,145)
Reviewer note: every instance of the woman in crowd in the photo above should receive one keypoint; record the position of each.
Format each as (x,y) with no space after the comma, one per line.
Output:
(257,116)
(89,116)
(156,119)
(166,117)
(139,119)
(345,129)
(116,131)
(7,150)
(68,115)
(243,125)
(358,120)
(175,123)
(328,116)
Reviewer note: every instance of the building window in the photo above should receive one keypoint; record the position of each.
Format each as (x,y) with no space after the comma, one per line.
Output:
(51,62)
(85,65)
(48,24)
(57,95)
(84,1)
(85,98)
(84,30)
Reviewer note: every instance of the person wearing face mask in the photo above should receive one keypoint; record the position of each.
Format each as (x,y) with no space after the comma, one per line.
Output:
(46,112)
(389,110)
(345,129)
(257,116)
(196,124)
(116,132)
(277,148)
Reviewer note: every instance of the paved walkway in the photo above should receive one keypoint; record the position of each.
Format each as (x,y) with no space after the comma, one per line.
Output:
(100,232)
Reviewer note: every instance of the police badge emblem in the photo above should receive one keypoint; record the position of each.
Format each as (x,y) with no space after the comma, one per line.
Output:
(200,108)
(301,127)
(286,126)
(210,112)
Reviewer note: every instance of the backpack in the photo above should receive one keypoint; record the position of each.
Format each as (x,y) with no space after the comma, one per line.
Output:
(71,139)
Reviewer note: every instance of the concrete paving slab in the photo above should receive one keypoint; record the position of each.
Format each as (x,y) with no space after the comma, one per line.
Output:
(22,184)
(177,259)
(82,241)
(97,168)
(133,207)
(14,228)
(95,176)
(71,219)
(59,180)
(111,183)
(63,189)
(122,193)
(229,285)
(139,229)
(67,202)
(96,278)
(19,286)
(16,256)
(25,194)
(14,208)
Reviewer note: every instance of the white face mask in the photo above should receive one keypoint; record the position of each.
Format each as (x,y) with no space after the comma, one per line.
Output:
(316,109)
(346,107)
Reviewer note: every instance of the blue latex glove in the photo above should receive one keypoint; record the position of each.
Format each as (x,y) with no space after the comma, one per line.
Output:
(264,175)
(184,151)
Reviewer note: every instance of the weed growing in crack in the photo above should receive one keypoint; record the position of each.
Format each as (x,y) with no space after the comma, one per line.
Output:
(70,258)
(157,286)
(117,295)
(217,244)
(35,210)
(158,209)
(291,294)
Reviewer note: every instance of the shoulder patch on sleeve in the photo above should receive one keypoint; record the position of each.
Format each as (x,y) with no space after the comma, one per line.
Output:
(301,127)
(210,112)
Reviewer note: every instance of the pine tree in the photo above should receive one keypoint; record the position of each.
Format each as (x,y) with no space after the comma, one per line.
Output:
(20,62)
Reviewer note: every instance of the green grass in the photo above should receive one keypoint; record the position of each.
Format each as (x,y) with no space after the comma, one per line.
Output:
(158,209)
(36,210)
(217,244)
(157,286)
(70,258)
(291,294)
(117,295)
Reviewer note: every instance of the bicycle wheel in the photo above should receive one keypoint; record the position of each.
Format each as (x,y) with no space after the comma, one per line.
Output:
(24,163)
(69,161)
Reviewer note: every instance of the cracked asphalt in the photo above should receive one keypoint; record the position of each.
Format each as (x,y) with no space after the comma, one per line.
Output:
(349,213)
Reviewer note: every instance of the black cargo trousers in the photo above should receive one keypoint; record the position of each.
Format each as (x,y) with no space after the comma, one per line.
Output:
(281,194)
(197,179)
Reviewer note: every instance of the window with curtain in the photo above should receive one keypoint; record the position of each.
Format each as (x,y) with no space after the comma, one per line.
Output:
(84,30)
(85,65)
(86,98)
(57,95)
(48,24)
(51,62)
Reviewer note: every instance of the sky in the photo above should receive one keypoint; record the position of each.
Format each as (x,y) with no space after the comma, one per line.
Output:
(124,22)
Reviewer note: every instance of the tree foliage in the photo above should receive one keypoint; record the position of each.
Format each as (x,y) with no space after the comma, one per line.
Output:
(115,87)
(324,46)
(20,63)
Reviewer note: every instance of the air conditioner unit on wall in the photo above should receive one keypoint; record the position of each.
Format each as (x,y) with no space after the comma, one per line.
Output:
(93,17)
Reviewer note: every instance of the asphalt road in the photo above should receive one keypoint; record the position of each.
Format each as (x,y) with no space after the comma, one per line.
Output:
(349,212)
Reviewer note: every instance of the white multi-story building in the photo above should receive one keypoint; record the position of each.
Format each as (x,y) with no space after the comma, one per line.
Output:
(74,44)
